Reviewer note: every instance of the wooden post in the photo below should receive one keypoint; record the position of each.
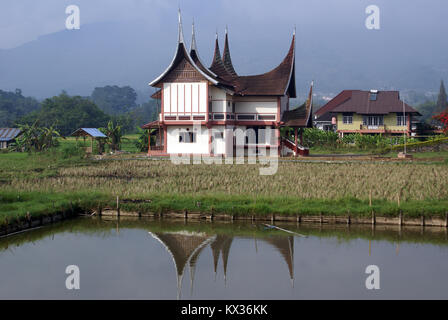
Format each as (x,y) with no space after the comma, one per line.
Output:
(118,206)
(370,198)
(423,220)
(321,220)
(373,218)
(349,220)
(296,149)
(400,219)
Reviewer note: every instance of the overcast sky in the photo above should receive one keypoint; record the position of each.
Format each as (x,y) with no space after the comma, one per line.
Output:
(24,20)
(132,41)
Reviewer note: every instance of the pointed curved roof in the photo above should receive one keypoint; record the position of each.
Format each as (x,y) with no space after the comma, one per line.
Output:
(226,57)
(218,66)
(279,81)
(194,54)
(181,56)
(301,116)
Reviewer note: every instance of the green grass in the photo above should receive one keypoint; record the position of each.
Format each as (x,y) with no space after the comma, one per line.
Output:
(15,205)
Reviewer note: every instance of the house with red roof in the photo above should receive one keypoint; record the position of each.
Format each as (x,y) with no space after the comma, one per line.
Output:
(367,112)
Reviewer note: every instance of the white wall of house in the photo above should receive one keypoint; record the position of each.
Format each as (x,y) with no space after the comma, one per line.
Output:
(261,105)
(185,97)
(219,139)
(201,146)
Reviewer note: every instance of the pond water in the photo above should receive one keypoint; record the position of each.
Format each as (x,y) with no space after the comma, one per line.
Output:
(154,259)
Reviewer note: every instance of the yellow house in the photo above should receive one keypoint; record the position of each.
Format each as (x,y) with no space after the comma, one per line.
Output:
(367,112)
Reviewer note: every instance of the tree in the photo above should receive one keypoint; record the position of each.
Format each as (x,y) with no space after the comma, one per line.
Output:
(142,141)
(114,100)
(13,105)
(68,113)
(36,138)
(442,102)
(114,135)
(443,120)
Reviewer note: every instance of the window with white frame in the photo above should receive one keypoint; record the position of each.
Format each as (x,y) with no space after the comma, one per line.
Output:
(373,120)
(401,120)
(347,118)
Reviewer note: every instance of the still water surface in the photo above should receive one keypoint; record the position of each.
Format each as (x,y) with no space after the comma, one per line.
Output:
(150,259)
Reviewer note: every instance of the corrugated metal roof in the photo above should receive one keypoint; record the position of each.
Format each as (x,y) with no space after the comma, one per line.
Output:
(93,132)
(8,134)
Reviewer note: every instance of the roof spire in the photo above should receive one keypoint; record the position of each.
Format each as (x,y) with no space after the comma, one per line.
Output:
(226,56)
(181,34)
(193,38)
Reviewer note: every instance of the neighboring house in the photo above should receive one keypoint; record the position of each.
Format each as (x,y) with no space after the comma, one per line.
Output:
(367,112)
(8,135)
(219,100)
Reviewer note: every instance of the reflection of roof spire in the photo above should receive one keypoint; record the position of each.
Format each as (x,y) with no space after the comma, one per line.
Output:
(285,245)
(221,245)
(183,246)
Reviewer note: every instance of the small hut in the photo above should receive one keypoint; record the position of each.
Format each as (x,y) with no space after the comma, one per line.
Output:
(93,133)
(8,135)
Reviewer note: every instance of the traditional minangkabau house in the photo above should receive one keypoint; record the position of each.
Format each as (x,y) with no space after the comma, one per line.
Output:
(220,101)
(367,112)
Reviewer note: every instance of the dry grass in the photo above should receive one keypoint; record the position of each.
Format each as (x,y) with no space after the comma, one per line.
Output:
(137,178)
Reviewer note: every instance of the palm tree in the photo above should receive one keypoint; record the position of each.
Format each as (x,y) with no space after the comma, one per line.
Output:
(114,135)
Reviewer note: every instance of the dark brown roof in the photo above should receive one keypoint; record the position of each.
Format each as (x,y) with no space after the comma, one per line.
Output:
(226,57)
(157,94)
(386,102)
(151,125)
(358,101)
(277,82)
(330,105)
(218,66)
(301,116)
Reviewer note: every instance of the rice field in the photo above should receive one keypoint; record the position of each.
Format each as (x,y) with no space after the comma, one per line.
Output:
(45,183)
(330,181)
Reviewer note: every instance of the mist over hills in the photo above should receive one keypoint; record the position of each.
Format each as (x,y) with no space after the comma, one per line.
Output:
(134,52)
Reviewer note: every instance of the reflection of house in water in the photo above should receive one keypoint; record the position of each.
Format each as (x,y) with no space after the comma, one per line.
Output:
(285,245)
(185,248)
(221,245)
